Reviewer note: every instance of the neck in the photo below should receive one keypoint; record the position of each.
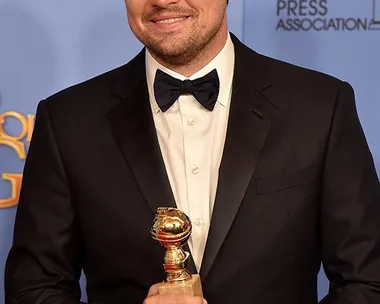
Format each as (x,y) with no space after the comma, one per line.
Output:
(202,59)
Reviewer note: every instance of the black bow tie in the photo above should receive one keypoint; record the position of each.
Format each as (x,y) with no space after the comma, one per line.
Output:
(168,89)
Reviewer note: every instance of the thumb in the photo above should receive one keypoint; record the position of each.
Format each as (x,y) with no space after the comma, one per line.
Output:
(153,290)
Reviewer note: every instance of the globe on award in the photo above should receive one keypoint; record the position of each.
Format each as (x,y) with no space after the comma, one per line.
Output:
(172,229)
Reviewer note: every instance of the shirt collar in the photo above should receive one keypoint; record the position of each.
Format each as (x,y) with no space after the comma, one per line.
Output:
(224,63)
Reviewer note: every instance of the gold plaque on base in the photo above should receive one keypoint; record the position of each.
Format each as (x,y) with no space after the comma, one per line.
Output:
(191,287)
(172,229)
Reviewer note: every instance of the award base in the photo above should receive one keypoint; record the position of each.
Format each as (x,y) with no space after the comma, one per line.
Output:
(191,287)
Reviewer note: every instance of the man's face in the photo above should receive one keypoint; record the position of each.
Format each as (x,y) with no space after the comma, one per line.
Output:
(177,31)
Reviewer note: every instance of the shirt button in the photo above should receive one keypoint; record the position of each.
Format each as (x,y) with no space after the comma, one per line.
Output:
(195,170)
(192,121)
(199,222)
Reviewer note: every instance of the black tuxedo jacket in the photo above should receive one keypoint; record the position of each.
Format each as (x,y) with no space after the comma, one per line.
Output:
(297,187)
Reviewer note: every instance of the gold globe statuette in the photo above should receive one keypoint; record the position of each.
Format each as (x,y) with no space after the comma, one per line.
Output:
(172,229)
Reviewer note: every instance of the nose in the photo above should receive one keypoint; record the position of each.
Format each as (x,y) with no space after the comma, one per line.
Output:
(164,3)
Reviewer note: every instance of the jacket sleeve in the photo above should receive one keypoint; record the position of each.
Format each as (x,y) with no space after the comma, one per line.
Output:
(45,260)
(350,210)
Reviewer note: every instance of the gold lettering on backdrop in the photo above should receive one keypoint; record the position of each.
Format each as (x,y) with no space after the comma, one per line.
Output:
(15,142)
(15,180)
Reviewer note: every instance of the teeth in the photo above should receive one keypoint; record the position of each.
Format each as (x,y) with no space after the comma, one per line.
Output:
(170,20)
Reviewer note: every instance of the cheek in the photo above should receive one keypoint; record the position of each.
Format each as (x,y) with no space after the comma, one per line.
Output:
(212,13)
(134,20)
(134,11)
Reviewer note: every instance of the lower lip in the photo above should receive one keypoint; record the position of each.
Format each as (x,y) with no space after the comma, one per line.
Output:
(172,25)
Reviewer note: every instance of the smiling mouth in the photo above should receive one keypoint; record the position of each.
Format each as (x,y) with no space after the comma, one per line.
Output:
(170,20)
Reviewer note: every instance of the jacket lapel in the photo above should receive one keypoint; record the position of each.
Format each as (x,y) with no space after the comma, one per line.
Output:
(132,124)
(133,127)
(249,123)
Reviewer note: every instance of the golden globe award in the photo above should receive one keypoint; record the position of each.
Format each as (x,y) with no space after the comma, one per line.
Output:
(171,229)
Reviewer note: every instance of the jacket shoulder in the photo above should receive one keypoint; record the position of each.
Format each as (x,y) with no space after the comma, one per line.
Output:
(97,91)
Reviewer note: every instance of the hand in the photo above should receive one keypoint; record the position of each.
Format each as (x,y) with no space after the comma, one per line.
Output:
(154,298)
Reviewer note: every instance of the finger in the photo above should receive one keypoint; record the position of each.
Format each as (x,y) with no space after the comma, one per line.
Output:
(183,299)
(153,290)
(151,300)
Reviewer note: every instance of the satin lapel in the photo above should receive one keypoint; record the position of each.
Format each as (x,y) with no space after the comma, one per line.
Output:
(133,127)
(249,124)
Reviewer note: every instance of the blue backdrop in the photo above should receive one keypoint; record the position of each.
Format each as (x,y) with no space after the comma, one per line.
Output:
(48,45)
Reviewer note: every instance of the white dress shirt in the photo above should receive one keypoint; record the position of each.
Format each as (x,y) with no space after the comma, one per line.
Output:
(191,140)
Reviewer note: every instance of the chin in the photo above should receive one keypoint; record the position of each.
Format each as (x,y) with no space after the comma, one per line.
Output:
(172,50)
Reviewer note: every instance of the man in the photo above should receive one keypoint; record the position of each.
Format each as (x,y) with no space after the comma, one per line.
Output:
(268,160)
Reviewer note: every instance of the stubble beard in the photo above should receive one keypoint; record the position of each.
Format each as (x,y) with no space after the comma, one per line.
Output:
(181,52)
